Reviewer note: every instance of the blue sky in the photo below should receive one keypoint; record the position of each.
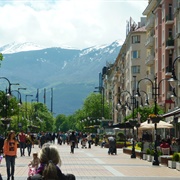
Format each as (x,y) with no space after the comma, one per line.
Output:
(67,23)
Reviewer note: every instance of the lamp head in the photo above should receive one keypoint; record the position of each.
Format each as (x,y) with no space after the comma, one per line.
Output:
(137,93)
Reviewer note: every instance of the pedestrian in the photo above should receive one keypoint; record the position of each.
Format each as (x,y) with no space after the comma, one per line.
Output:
(72,140)
(42,139)
(34,164)
(10,153)
(29,143)
(1,144)
(22,142)
(89,139)
(35,161)
(49,168)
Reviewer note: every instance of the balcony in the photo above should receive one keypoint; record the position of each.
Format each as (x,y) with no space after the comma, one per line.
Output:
(149,42)
(150,22)
(170,44)
(169,70)
(149,60)
(169,19)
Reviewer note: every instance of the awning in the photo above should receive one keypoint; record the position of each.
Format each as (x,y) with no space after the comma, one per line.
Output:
(172,113)
(122,125)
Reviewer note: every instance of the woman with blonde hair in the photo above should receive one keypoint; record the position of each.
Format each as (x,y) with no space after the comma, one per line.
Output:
(10,153)
(50,162)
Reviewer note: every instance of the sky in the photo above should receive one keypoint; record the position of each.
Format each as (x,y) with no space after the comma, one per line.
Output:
(67,23)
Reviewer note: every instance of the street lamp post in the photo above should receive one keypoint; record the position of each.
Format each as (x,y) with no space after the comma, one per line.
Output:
(8,93)
(123,108)
(10,84)
(155,94)
(19,104)
(173,79)
(133,122)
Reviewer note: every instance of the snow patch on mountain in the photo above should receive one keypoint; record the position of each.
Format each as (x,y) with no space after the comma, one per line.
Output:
(19,47)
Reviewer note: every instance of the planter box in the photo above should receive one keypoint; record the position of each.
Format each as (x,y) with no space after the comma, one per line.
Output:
(139,154)
(155,119)
(117,145)
(172,164)
(178,166)
(165,159)
(149,158)
(144,156)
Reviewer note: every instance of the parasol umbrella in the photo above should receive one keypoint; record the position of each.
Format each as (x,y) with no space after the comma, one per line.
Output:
(161,124)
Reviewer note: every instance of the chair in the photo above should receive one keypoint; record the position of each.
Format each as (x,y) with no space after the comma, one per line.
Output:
(165,151)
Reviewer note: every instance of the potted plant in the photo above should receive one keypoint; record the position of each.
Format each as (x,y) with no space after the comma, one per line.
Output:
(159,155)
(178,164)
(149,157)
(155,118)
(172,163)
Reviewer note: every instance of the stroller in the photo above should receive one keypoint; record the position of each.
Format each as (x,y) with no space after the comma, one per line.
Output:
(112,146)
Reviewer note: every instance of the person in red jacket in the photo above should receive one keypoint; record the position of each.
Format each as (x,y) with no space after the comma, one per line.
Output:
(22,142)
(10,153)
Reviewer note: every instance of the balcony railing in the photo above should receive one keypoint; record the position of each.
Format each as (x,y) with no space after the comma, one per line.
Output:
(170,42)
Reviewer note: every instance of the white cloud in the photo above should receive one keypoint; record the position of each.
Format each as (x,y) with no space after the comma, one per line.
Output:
(73,23)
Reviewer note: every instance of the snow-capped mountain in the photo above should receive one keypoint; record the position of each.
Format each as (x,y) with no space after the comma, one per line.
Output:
(72,73)
(20,47)
(30,46)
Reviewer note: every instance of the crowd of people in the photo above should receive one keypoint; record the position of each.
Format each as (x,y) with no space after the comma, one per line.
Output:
(43,165)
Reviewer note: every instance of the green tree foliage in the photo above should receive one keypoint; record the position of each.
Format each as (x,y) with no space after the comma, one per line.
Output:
(92,108)
(8,109)
(41,117)
(1,58)
(144,112)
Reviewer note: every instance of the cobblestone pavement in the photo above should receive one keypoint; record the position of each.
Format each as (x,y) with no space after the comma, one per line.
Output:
(96,164)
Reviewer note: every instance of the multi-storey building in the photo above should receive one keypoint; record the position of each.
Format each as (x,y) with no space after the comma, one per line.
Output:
(165,26)
(130,62)
(148,52)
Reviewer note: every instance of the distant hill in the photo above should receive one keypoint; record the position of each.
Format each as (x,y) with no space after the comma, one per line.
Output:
(73,74)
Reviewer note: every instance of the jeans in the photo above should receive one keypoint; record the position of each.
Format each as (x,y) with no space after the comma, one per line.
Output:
(22,147)
(29,147)
(10,164)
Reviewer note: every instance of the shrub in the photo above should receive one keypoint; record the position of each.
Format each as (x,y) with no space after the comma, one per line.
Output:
(152,152)
(175,157)
(148,151)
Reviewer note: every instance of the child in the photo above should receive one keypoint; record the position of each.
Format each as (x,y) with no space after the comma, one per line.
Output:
(35,161)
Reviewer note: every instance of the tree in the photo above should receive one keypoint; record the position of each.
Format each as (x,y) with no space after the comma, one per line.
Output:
(91,111)
(1,58)
(144,112)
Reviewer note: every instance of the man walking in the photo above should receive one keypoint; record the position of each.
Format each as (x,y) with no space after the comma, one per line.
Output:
(72,140)
(22,142)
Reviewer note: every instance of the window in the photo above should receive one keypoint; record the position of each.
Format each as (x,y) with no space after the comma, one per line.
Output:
(178,27)
(170,32)
(135,69)
(163,11)
(156,20)
(135,39)
(135,54)
(163,87)
(163,35)
(156,43)
(163,61)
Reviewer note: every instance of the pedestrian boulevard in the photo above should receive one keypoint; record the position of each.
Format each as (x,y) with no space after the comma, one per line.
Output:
(96,164)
